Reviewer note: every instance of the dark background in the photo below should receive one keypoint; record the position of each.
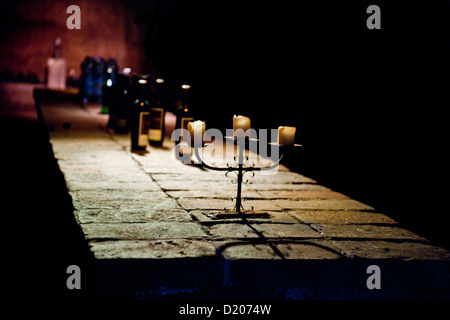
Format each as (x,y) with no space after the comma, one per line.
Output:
(370,106)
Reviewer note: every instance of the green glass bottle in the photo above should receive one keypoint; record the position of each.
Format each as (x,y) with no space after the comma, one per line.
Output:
(140,113)
(157,113)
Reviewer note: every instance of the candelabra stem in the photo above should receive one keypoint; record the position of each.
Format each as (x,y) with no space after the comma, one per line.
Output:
(239,189)
(239,177)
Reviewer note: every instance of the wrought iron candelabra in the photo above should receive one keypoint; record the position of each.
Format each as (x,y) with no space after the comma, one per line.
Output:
(240,166)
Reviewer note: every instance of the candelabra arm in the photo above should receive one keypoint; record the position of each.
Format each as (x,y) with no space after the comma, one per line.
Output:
(197,154)
(273,166)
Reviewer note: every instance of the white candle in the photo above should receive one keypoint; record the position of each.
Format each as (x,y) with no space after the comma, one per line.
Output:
(196,129)
(241,122)
(286,136)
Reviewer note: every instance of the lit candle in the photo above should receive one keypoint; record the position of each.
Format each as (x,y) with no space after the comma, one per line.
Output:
(286,136)
(241,122)
(196,129)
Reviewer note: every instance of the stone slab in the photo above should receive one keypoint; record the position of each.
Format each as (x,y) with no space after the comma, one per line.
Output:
(213,193)
(131,215)
(152,249)
(218,204)
(206,217)
(228,230)
(318,204)
(286,230)
(366,232)
(286,187)
(131,186)
(404,250)
(342,217)
(200,185)
(142,231)
(313,194)
(156,202)
(312,249)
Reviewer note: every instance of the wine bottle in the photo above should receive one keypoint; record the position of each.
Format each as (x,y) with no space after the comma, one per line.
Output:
(157,113)
(57,51)
(108,86)
(140,114)
(184,115)
(121,103)
(107,91)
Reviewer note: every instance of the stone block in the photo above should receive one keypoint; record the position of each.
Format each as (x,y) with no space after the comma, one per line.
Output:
(286,177)
(206,217)
(381,249)
(213,193)
(248,251)
(314,249)
(199,176)
(199,185)
(342,217)
(329,204)
(118,200)
(218,204)
(366,232)
(152,249)
(231,230)
(286,230)
(286,187)
(131,215)
(95,185)
(141,231)
(312,194)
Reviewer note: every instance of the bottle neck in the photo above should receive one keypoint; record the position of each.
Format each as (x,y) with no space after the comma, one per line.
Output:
(57,48)
(57,52)
(142,92)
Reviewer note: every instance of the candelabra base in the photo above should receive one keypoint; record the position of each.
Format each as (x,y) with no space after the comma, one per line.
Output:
(247,214)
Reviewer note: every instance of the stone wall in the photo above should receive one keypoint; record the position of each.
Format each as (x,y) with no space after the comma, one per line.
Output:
(29,29)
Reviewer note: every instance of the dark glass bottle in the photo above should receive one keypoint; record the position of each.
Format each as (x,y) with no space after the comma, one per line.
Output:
(157,113)
(107,98)
(108,89)
(57,51)
(121,103)
(183,113)
(99,79)
(140,112)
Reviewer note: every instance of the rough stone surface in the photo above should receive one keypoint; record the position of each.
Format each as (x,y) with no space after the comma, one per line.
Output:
(342,217)
(382,249)
(147,213)
(365,231)
(130,231)
(329,204)
(152,249)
